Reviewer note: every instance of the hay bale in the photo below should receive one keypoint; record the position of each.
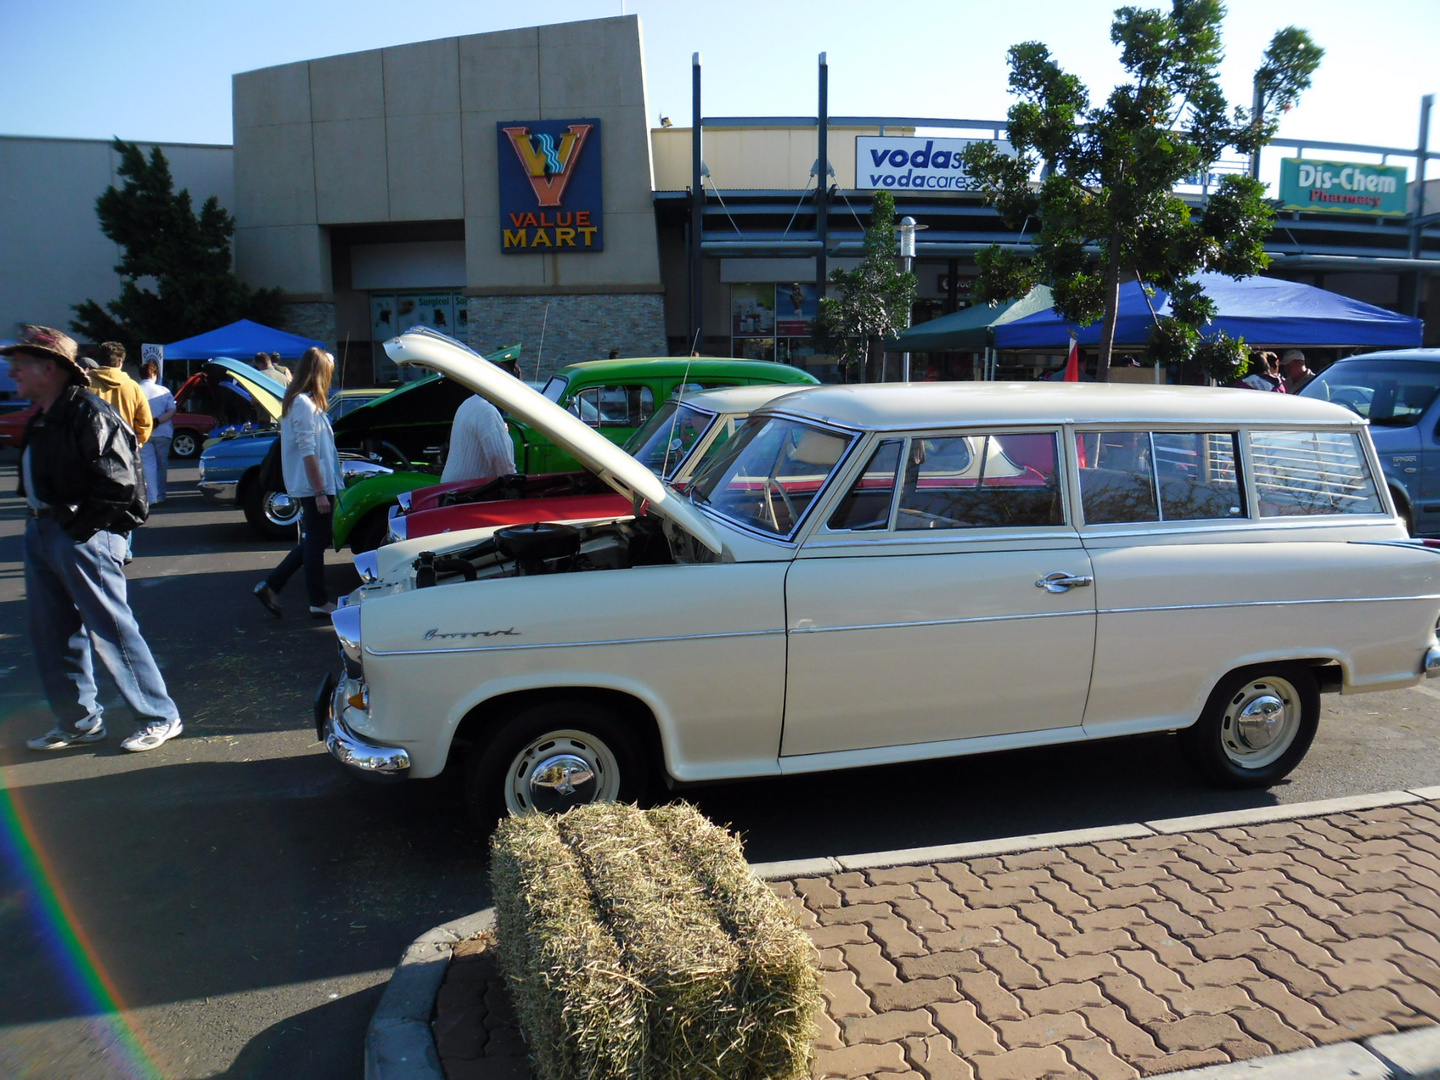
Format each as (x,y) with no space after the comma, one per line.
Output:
(639,944)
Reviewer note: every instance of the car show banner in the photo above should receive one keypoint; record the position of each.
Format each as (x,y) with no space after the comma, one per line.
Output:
(925,164)
(1347,187)
(550,186)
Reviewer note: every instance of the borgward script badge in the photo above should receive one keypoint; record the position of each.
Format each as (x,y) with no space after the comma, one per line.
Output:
(463,635)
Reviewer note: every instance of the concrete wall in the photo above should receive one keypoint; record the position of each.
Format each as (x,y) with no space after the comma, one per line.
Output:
(52,252)
(750,158)
(408,134)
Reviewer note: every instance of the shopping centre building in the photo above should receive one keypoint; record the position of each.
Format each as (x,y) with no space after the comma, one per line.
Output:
(513,187)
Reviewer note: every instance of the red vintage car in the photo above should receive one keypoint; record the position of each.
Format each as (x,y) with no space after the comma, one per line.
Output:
(674,443)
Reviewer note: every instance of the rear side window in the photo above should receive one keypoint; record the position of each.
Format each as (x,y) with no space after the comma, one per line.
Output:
(614,406)
(1312,472)
(1143,476)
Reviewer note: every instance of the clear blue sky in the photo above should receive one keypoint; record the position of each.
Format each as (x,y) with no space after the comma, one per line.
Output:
(160,69)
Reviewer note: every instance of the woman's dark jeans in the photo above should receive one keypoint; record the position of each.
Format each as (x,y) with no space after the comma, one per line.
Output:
(309,552)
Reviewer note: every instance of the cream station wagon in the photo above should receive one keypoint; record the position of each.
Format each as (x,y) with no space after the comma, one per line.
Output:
(888,573)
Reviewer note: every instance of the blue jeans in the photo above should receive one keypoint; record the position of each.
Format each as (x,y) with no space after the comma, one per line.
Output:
(77,607)
(309,553)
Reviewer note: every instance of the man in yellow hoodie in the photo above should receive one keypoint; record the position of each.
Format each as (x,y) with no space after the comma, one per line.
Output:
(123,393)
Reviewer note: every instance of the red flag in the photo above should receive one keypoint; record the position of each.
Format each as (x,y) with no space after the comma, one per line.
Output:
(1072,362)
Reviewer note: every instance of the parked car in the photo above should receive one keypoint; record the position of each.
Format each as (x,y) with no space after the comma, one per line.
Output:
(613,396)
(230,467)
(676,442)
(845,586)
(1398,391)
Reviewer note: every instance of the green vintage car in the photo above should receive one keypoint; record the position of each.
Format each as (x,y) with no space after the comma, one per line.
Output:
(613,396)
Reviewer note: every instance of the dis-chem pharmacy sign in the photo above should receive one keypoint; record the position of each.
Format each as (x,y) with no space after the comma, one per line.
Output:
(550,186)
(1345,186)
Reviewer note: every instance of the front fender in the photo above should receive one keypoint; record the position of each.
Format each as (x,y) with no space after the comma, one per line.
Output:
(360,498)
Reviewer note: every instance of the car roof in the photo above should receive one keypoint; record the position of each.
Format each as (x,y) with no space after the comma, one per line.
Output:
(1430,355)
(738,398)
(693,367)
(898,406)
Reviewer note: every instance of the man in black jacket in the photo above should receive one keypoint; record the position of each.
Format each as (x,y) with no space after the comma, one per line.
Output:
(81,479)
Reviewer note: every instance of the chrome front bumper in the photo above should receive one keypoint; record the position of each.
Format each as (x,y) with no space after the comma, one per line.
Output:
(218,491)
(362,759)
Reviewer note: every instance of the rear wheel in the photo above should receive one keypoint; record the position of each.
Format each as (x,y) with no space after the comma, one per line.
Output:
(1256,727)
(185,444)
(271,513)
(552,756)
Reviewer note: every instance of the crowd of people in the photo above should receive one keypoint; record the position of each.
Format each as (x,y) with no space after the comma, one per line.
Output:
(1283,374)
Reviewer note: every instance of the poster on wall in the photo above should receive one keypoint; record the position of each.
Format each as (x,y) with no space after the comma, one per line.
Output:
(550,186)
(796,305)
(752,310)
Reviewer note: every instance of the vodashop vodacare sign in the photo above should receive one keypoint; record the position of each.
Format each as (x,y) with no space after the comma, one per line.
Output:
(550,190)
(1349,187)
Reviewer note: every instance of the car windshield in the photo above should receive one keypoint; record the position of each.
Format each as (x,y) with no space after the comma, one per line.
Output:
(661,445)
(1388,393)
(769,474)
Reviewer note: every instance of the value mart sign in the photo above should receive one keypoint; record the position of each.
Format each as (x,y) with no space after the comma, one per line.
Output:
(550,186)
(1347,187)
(924,164)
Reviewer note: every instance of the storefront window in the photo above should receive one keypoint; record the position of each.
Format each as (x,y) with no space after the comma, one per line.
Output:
(394,313)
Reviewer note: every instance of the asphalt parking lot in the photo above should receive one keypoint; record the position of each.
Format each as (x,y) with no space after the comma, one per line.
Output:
(230,906)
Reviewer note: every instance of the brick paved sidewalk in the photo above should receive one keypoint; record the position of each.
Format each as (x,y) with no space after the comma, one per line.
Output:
(1115,959)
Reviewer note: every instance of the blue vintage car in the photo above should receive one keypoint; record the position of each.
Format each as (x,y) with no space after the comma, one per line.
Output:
(230,465)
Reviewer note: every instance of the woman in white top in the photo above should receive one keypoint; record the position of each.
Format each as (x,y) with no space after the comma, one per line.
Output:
(312,471)
(155,454)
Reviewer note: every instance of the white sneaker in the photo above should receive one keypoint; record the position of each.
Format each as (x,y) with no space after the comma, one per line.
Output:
(59,739)
(153,734)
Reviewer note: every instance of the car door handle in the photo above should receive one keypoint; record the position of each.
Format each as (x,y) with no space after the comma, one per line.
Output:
(1059,581)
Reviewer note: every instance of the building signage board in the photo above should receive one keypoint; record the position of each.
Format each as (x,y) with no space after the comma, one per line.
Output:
(550,186)
(924,164)
(1348,187)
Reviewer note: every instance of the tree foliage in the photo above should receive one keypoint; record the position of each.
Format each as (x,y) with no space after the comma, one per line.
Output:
(1105,203)
(175,269)
(871,302)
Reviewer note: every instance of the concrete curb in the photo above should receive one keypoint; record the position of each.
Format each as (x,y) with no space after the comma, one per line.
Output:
(400,1045)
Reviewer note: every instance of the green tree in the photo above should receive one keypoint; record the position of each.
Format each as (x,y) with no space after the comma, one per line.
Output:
(873,300)
(1105,203)
(175,273)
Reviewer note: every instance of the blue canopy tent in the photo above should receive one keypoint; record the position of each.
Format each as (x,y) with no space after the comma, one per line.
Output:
(1266,312)
(240,340)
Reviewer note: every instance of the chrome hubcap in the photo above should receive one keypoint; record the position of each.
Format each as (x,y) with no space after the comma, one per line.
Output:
(560,770)
(1260,723)
(281,509)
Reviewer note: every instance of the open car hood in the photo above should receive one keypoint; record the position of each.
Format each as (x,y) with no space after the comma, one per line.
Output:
(430,401)
(265,391)
(423,347)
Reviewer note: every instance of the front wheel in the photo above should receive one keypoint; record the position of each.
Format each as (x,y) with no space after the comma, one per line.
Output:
(1256,727)
(185,444)
(271,513)
(552,756)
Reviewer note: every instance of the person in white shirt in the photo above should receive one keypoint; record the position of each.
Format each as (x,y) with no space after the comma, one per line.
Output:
(155,454)
(312,472)
(480,444)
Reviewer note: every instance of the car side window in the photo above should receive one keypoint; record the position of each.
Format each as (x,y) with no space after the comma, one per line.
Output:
(1139,476)
(1312,472)
(1001,480)
(867,504)
(614,406)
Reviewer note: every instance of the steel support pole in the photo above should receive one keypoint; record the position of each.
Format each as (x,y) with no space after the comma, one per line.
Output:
(822,178)
(697,211)
(1255,119)
(1422,148)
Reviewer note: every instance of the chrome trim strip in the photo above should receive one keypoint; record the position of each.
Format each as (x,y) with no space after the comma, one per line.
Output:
(1266,603)
(1225,525)
(573,644)
(942,622)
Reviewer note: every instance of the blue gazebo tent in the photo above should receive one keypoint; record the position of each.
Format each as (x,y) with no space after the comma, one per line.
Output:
(240,341)
(1266,312)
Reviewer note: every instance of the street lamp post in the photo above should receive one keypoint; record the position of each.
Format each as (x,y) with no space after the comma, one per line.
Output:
(908,229)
